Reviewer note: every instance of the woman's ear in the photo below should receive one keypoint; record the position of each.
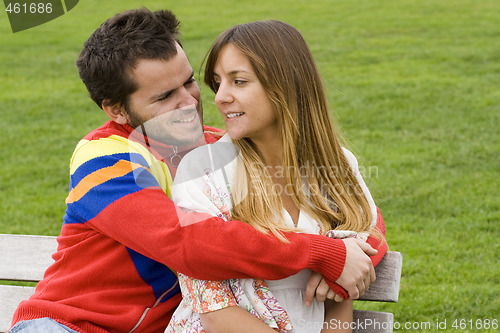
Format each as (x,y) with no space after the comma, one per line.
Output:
(115,112)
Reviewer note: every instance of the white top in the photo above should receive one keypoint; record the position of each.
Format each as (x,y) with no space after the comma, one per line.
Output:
(203,183)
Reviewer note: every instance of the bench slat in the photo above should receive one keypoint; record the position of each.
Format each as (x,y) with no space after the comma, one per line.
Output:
(386,287)
(372,322)
(25,257)
(10,297)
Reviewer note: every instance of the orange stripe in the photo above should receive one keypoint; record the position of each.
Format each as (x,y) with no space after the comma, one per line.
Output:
(119,169)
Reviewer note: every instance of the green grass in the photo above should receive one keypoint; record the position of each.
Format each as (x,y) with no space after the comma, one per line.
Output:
(415,86)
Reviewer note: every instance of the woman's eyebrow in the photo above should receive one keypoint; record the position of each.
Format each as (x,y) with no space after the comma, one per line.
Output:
(233,72)
(237,71)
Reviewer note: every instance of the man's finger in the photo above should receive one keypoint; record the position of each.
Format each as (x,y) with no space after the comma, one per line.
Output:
(367,248)
(338,299)
(361,287)
(354,293)
(331,294)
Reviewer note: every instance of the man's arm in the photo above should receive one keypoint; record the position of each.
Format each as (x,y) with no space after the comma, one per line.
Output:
(218,250)
(147,221)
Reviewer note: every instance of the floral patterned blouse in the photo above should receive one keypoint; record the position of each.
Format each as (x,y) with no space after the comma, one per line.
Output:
(202,185)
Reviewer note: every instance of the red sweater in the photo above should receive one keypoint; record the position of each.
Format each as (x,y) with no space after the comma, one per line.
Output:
(121,243)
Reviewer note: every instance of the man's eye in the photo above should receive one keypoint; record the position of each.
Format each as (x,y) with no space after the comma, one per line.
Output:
(163,98)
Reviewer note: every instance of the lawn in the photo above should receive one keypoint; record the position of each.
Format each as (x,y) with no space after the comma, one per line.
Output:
(414,84)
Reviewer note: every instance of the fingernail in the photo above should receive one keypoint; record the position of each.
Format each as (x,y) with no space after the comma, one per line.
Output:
(308,303)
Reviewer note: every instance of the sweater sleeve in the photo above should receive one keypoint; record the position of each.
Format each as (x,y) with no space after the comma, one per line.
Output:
(377,239)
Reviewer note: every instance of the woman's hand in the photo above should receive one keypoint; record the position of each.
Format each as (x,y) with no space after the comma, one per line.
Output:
(318,288)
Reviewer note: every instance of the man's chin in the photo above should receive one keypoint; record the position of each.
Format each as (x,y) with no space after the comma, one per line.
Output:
(180,140)
(191,141)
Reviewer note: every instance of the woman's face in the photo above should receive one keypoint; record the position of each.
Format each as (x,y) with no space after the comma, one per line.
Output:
(241,99)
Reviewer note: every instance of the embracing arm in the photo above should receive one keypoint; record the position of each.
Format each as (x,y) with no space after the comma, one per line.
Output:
(338,317)
(233,319)
(218,307)
(200,249)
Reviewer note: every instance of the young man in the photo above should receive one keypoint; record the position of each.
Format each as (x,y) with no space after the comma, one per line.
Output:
(123,239)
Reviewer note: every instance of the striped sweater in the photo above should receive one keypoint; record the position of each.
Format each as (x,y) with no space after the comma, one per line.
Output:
(121,242)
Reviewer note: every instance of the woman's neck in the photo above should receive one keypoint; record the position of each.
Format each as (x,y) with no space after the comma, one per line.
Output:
(272,154)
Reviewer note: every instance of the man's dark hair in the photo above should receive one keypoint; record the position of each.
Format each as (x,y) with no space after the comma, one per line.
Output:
(109,55)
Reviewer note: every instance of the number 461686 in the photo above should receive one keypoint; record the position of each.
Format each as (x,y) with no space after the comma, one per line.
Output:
(31,8)
(475,324)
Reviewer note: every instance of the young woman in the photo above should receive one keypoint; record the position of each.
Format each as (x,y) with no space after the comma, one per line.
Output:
(279,167)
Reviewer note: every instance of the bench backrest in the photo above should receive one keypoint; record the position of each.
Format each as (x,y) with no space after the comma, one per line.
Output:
(25,258)
(22,258)
(384,289)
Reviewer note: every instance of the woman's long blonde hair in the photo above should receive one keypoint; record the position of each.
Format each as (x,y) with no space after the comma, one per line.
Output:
(312,152)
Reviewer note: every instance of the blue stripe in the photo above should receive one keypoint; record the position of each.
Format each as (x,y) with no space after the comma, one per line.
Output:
(100,196)
(155,274)
(105,161)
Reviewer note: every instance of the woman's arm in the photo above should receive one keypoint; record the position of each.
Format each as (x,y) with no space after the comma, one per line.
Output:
(338,317)
(233,319)
(217,307)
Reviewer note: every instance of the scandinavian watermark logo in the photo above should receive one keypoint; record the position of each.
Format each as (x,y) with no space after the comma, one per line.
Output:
(28,14)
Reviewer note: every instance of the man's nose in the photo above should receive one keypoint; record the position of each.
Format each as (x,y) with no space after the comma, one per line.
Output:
(187,98)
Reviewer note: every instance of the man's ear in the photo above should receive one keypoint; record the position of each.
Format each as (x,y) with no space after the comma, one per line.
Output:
(115,112)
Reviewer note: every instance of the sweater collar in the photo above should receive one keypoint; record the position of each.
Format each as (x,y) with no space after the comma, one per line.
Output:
(170,154)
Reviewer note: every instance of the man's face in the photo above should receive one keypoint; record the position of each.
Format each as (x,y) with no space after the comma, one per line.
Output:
(167,102)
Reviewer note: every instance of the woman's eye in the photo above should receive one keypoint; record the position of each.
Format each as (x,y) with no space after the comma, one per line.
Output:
(239,82)
(215,85)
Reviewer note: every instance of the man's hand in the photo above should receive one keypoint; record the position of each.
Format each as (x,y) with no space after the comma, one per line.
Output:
(356,277)
(358,270)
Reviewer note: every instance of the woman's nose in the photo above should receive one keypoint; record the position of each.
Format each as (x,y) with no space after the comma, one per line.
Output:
(223,95)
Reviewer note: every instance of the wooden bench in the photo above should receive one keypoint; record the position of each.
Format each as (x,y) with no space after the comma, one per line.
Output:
(22,258)
(384,289)
(25,258)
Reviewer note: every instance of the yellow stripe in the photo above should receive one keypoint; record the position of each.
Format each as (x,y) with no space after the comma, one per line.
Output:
(119,169)
(115,144)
